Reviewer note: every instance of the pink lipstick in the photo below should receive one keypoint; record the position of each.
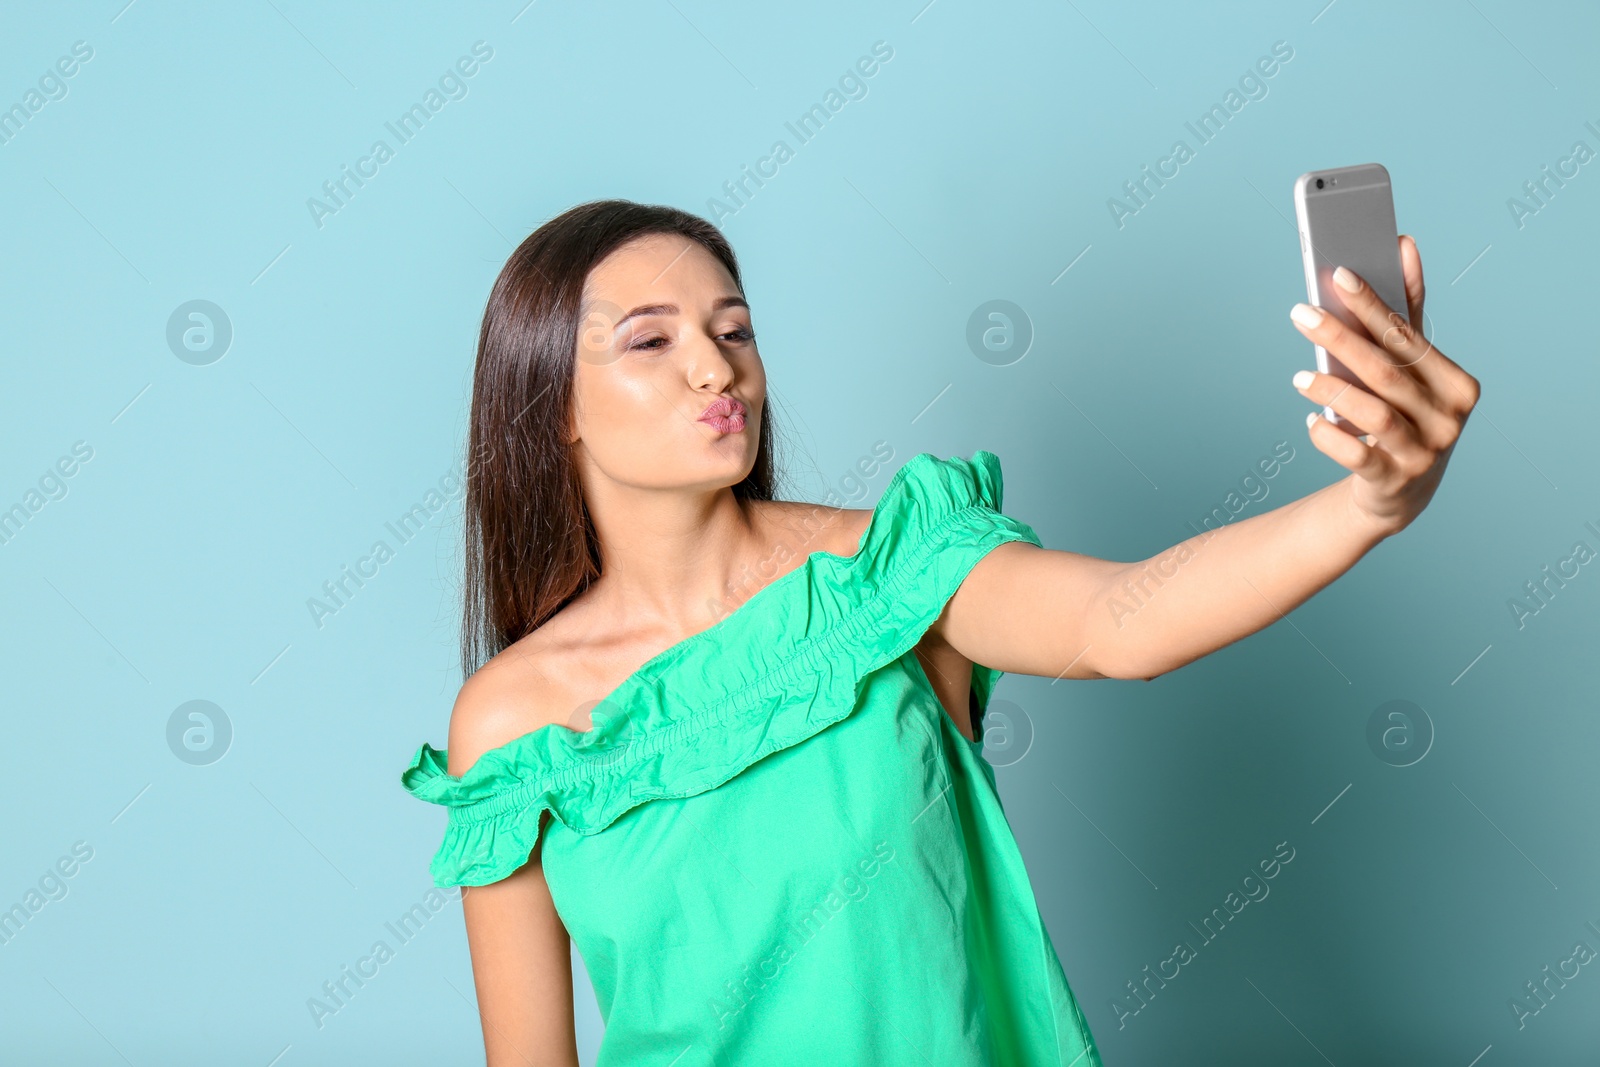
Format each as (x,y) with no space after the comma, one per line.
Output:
(724,415)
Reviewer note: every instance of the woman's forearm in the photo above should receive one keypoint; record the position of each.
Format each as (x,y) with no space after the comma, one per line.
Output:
(1161,613)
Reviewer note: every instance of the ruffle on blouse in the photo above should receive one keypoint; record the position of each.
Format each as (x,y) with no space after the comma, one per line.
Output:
(784,666)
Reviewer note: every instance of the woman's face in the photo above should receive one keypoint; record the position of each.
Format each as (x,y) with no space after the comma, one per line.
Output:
(664,334)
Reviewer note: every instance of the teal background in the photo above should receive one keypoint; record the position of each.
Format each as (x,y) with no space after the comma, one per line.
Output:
(219,498)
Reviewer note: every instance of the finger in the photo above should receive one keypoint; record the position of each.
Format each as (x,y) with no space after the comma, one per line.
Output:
(1396,369)
(1442,373)
(1367,413)
(1383,323)
(1379,372)
(1416,292)
(1460,388)
(1346,450)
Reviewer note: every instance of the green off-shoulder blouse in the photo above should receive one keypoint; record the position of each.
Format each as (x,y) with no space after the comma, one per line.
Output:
(774,846)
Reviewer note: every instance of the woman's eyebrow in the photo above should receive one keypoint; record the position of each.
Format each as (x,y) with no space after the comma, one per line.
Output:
(673,309)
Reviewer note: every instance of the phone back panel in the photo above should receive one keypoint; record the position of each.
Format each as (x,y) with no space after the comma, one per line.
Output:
(1349,222)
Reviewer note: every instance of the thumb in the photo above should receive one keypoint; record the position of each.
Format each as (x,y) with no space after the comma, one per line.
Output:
(1411,267)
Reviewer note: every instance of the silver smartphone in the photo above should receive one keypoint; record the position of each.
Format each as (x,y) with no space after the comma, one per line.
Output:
(1346,218)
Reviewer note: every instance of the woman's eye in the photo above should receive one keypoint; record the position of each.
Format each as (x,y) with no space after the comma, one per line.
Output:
(655,343)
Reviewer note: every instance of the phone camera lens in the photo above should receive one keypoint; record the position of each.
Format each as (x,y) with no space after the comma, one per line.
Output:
(1319,183)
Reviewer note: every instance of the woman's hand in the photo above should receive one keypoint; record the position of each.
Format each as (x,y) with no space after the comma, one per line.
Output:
(1029,610)
(1412,411)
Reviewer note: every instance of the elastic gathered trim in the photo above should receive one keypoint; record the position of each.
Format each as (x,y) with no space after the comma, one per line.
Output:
(602,766)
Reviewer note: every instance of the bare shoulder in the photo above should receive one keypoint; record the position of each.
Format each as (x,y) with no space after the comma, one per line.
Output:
(811,528)
(514,693)
(554,674)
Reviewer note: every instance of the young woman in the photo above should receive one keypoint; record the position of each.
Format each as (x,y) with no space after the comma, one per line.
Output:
(730,745)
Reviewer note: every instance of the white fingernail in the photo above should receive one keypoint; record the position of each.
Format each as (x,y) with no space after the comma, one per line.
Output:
(1345,280)
(1311,419)
(1305,315)
(1302,379)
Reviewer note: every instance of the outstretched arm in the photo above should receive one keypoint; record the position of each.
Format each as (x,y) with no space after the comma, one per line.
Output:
(1028,610)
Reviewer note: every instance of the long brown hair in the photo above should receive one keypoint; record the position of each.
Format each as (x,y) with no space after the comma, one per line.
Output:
(530,544)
